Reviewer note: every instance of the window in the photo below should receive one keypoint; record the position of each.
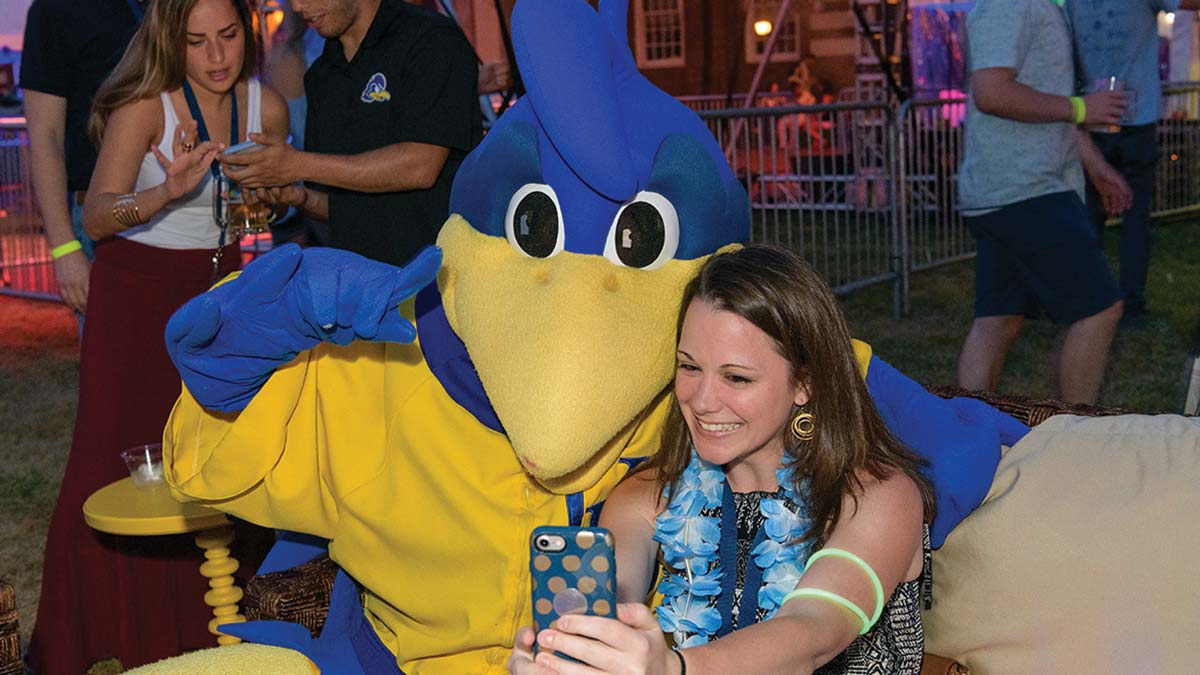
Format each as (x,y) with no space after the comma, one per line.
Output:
(760,18)
(658,25)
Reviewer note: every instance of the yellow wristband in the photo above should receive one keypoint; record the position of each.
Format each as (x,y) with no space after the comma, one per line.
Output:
(66,249)
(1079,108)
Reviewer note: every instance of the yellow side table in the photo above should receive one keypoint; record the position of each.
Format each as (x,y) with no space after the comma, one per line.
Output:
(125,509)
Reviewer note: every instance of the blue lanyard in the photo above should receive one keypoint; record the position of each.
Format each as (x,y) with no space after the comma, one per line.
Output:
(752,577)
(202,129)
(136,8)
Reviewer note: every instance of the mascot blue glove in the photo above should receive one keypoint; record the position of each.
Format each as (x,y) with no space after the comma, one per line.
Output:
(960,438)
(228,341)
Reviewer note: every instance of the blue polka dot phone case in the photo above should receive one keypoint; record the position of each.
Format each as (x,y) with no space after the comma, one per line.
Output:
(573,571)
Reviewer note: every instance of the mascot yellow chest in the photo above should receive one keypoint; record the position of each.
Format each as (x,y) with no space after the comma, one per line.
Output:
(425,507)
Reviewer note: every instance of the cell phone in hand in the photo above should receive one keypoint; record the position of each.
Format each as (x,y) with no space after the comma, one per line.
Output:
(248,146)
(574,572)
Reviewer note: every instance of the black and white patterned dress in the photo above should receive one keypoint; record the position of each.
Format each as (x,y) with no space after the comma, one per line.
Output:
(894,645)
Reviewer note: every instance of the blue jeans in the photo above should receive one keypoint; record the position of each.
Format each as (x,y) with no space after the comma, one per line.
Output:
(1133,151)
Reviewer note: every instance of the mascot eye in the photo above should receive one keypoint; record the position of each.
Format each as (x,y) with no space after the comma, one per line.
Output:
(534,221)
(645,232)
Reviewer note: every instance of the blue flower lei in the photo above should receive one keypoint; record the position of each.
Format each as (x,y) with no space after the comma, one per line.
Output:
(689,537)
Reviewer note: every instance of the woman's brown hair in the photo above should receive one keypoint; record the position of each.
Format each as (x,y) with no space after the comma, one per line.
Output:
(778,292)
(156,60)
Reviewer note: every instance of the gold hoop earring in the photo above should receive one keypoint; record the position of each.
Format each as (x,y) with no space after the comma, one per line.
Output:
(804,427)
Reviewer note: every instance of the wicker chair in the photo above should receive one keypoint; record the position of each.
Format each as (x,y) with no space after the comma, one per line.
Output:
(10,637)
(302,593)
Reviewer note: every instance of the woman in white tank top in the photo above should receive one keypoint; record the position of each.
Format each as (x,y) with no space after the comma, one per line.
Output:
(150,205)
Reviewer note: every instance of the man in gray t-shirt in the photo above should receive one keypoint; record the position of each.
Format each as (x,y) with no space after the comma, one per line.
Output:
(1021,187)
(1118,39)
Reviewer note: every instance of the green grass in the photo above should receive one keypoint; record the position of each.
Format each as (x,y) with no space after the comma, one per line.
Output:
(39,375)
(1146,368)
(39,379)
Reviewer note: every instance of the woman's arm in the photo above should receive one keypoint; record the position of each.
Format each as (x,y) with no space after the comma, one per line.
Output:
(275,118)
(629,514)
(133,130)
(885,530)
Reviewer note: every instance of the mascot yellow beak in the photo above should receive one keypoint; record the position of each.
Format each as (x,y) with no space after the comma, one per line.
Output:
(570,349)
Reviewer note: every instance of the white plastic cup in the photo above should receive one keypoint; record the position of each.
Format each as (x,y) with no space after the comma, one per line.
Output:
(145,464)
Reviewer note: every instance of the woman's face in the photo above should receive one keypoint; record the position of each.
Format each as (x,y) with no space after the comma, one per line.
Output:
(215,45)
(734,388)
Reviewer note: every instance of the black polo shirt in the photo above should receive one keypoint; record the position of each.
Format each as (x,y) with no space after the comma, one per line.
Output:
(71,46)
(412,79)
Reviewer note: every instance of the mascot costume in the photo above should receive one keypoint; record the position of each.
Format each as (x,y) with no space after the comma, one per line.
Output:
(526,371)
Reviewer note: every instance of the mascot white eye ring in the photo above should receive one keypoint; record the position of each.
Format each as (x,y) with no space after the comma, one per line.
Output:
(660,245)
(537,241)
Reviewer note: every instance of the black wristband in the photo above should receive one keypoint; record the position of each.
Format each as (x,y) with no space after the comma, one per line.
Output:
(682,662)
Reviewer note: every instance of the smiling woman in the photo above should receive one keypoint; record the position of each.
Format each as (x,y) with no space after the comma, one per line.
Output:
(182,91)
(780,510)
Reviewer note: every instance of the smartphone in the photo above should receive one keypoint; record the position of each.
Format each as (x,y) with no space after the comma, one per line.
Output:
(573,571)
(242,147)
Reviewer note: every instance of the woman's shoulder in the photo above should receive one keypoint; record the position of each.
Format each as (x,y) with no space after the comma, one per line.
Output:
(894,493)
(638,492)
(144,114)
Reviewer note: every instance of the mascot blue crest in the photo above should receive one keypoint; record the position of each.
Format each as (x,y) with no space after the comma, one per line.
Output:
(596,159)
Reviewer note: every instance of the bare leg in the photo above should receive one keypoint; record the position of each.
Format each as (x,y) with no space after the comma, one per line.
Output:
(1085,355)
(985,349)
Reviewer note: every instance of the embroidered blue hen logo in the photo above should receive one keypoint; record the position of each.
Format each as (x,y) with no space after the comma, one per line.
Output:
(376,90)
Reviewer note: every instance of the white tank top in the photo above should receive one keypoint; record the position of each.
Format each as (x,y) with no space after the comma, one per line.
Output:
(186,222)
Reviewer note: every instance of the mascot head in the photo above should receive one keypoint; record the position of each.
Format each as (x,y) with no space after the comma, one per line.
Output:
(576,224)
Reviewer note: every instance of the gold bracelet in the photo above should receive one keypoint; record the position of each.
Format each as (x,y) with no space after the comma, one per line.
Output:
(125,210)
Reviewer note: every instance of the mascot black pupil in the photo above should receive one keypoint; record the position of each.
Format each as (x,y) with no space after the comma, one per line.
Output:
(535,224)
(639,234)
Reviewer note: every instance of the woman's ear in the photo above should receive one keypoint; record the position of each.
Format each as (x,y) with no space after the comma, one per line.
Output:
(802,394)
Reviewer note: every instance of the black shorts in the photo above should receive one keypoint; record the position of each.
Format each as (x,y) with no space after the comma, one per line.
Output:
(1042,249)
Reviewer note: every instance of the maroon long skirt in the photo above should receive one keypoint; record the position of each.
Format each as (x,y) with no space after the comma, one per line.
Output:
(138,599)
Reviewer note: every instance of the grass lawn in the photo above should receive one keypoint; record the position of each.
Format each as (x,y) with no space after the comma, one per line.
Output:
(39,376)
(1146,368)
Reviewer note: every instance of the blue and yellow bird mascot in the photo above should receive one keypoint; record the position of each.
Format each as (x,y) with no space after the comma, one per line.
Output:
(425,444)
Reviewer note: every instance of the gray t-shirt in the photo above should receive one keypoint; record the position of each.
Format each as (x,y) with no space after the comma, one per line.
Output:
(1119,38)
(1006,161)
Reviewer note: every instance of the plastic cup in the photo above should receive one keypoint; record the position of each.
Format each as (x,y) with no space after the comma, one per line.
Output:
(1114,84)
(145,464)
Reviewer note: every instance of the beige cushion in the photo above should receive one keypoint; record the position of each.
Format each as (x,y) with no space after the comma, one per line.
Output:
(1083,557)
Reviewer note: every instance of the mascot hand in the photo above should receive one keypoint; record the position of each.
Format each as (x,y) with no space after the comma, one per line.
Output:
(228,341)
(960,438)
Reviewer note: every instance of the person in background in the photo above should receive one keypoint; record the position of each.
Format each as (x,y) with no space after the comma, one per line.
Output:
(1021,190)
(294,49)
(181,92)
(773,448)
(392,111)
(70,47)
(1118,39)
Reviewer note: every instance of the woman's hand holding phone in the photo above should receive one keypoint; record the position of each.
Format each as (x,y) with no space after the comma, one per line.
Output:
(578,627)
(633,642)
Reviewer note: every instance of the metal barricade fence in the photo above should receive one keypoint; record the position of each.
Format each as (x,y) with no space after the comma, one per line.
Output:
(865,192)
(1178,182)
(929,145)
(25,265)
(819,183)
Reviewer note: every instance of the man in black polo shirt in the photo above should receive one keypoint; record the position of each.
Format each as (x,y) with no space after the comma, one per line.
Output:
(70,47)
(392,111)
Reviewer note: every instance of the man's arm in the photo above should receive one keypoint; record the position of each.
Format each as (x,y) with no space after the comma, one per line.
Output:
(1114,192)
(392,168)
(997,92)
(47,121)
